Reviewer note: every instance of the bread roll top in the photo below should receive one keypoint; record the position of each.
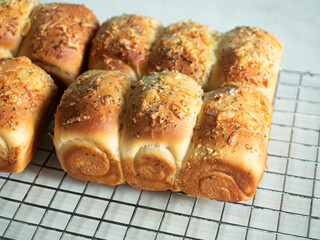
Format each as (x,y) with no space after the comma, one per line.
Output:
(15,24)
(93,104)
(123,42)
(58,38)
(23,88)
(161,106)
(232,111)
(187,47)
(229,150)
(248,56)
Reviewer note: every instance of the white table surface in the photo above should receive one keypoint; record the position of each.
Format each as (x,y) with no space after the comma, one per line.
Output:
(295,22)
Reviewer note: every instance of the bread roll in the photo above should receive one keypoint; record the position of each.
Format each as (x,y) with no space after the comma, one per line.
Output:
(158,128)
(187,47)
(229,150)
(87,126)
(248,56)
(58,38)
(123,42)
(27,101)
(14,24)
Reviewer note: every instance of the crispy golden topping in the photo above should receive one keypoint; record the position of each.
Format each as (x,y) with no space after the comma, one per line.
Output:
(232,138)
(74,119)
(127,38)
(14,20)
(22,88)
(94,93)
(250,55)
(186,47)
(58,26)
(162,100)
(230,114)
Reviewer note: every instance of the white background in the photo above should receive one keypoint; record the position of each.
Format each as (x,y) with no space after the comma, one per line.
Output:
(295,22)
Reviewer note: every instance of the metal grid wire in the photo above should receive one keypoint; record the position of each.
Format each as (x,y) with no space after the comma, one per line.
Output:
(43,202)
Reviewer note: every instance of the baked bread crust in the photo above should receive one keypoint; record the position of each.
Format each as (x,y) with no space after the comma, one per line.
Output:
(27,102)
(58,39)
(187,47)
(222,155)
(87,126)
(14,25)
(229,149)
(122,43)
(248,56)
(158,127)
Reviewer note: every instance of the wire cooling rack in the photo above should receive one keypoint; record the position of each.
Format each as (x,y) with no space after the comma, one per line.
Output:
(43,202)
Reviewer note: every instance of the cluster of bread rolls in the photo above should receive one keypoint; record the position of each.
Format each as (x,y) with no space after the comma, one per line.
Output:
(163,132)
(140,114)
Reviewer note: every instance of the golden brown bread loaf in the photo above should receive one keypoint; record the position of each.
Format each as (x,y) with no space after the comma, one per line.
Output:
(222,157)
(187,47)
(123,42)
(229,148)
(58,38)
(247,56)
(229,152)
(14,24)
(87,126)
(27,101)
(158,128)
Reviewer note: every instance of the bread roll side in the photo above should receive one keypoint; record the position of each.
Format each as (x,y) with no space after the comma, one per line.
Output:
(229,150)
(158,128)
(87,126)
(27,102)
